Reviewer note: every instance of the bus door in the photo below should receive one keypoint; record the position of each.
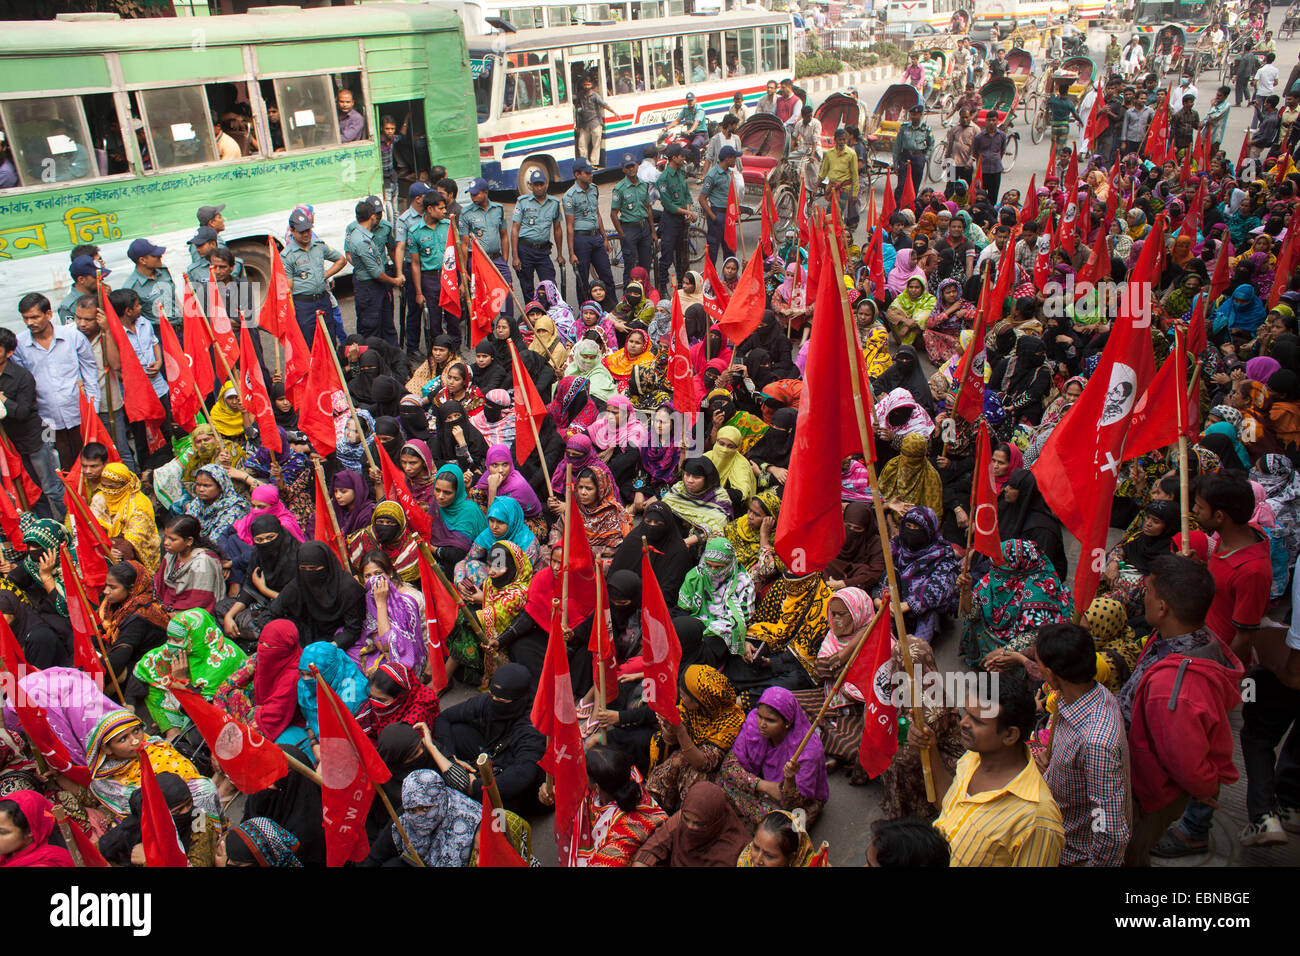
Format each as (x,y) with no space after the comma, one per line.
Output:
(573,65)
(411,162)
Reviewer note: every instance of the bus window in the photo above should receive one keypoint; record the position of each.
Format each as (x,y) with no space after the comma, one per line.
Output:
(308,112)
(567,16)
(648,10)
(740,53)
(230,103)
(603,11)
(623,67)
(704,56)
(674,8)
(524,18)
(105,133)
(179,126)
(274,121)
(774,47)
(580,62)
(49,140)
(353,125)
(483,72)
(665,61)
(528,85)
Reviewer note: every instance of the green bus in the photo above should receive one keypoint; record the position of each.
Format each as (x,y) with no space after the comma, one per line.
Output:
(121,129)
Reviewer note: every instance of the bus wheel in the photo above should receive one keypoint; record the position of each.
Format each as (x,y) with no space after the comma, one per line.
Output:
(525,170)
(257,261)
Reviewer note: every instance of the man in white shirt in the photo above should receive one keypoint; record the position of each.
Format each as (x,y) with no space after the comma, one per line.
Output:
(726,136)
(1185,88)
(1132,59)
(1266,78)
(648,172)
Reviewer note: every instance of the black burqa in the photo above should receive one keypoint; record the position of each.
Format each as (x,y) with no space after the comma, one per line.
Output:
(906,373)
(294,802)
(668,557)
(1028,518)
(775,445)
(327,605)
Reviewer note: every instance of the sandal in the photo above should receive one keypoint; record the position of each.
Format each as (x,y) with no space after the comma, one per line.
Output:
(1173,845)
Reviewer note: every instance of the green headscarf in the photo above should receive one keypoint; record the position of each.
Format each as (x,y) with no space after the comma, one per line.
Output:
(210,659)
(721,598)
(42,535)
(462,514)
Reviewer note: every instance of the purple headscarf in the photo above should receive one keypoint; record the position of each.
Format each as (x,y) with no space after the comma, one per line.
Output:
(586,457)
(73,706)
(757,755)
(515,486)
(1261,367)
(363,506)
(659,460)
(404,639)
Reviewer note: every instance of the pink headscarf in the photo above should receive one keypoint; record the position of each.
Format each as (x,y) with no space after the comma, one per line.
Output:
(903,270)
(266,501)
(632,432)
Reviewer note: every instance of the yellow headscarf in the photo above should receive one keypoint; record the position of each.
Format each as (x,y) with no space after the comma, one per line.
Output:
(546,343)
(733,467)
(125,512)
(910,477)
(227,421)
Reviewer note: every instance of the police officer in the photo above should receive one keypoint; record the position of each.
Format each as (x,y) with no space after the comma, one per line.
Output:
(588,245)
(633,218)
(534,225)
(675,197)
(714,191)
(427,243)
(412,216)
(205,242)
(211,217)
(83,271)
(371,282)
(304,262)
(151,281)
(485,221)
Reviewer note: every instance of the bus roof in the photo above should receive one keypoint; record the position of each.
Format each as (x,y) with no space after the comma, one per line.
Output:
(639,29)
(101,33)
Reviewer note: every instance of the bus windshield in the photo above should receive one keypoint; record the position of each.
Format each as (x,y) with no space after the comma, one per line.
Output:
(481,68)
(1178,11)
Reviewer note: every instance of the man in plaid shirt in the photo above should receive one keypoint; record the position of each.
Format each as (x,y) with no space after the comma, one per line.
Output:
(1087,765)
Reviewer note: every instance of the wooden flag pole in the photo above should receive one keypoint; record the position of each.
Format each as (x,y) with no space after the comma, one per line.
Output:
(851,338)
(379,790)
(564,548)
(839,681)
(61,819)
(103,347)
(304,770)
(99,636)
(470,617)
(964,605)
(335,531)
(352,409)
(212,336)
(532,423)
(1184,491)
(603,701)
(487,776)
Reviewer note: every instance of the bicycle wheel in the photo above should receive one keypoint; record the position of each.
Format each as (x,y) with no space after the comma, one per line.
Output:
(1039,129)
(937,166)
(1010,152)
(697,245)
(1031,107)
(615,251)
(786,201)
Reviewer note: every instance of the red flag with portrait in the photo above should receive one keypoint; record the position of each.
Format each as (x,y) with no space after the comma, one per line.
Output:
(250,760)
(449,276)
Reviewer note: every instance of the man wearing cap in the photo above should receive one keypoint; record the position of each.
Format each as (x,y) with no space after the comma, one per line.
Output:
(209,217)
(534,226)
(90,320)
(205,242)
(589,109)
(912,148)
(714,190)
(633,218)
(694,121)
(485,221)
(371,282)
(428,248)
(588,245)
(412,216)
(304,263)
(675,197)
(151,281)
(83,270)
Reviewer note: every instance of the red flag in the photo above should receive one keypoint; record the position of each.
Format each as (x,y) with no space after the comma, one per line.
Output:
(1222,276)
(1042,268)
(801,215)
(1051,166)
(1157,138)
(1098,265)
(887,205)
(83,619)
(810,529)
(977,178)
(907,198)
(601,646)
(1192,221)
(839,232)
(875,259)
(140,402)
(11,471)
(818,255)
(396,489)
(680,374)
(197,343)
(821,857)
(493,847)
(1162,411)
(1078,468)
(1196,335)
(715,293)
(253,394)
(880,731)
(984,500)
(449,276)
(439,621)
(1245,150)
(223,332)
(871,209)
(765,245)
(577,563)
(555,717)
(660,649)
(350,769)
(744,310)
(89,850)
(277,313)
(186,401)
(93,546)
(490,293)
(162,844)
(1029,211)
(528,404)
(1286,263)
(93,430)
(31,715)
(9,521)
(970,371)
(251,761)
(297,363)
(316,412)
(323,530)
(733,216)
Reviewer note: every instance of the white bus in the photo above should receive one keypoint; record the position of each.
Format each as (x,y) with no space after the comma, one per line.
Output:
(537,14)
(523,84)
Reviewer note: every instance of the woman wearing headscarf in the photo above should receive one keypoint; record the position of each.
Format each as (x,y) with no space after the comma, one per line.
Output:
(369,367)
(566,323)
(761,773)
(579,453)
(618,435)
(668,554)
(1027,382)
(714,837)
(1011,601)
(790,305)
(228,414)
(397,697)
(903,270)
(459,439)
(353,442)
(505,590)
(195,651)
(1281,485)
(546,343)
(505,522)
(1023,513)
(585,362)
(785,631)
(259,842)
(189,574)
(693,750)
(950,315)
(699,501)
(572,409)
(616,816)
(771,451)
(324,601)
(426,378)
(126,514)
(503,478)
(1069,394)
(133,621)
(353,503)
(271,703)
(909,479)
(734,470)
(1283,410)
(216,505)
(393,630)
(460,514)
(28,822)
(634,306)
(927,570)
(909,311)
(458,386)
(595,324)
(389,532)
(1221,438)
(752,536)
(1242,311)
(720,593)
(604,521)
(906,373)
(340,673)
(636,351)
(1124,577)
(440,822)
(723,412)
(903,782)
(861,561)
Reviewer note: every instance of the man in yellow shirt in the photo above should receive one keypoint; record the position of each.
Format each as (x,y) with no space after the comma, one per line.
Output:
(840,168)
(996,809)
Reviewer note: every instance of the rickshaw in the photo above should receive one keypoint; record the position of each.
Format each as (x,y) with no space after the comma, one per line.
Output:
(941,90)
(1083,68)
(838,109)
(1074,93)
(1292,21)
(1173,37)
(960,23)
(762,138)
(1020,66)
(890,113)
(1003,95)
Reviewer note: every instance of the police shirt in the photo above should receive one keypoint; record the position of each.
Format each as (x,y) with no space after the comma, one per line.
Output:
(715,186)
(485,225)
(583,205)
(366,254)
(306,267)
(536,218)
(632,202)
(154,291)
(429,243)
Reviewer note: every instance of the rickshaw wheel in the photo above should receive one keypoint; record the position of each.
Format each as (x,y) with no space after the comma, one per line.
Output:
(1010,152)
(1039,129)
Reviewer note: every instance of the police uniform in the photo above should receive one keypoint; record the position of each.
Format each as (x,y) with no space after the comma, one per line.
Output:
(714,189)
(407,219)
(198,271)
(306,271)
(534,243)
(632,203)
(486,226)
(154,291)
(429,243)
(68,307)
(583,204)
(194,253)
(675,197)
(372,299)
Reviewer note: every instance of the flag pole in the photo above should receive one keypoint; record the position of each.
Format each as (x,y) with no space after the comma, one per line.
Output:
(379,790)
(839,681)
(61,819)
(564,547)
(1184,491)
(436,568)
(487,776)
(108,372)
(352,409)
(304,770)
(532,422)
(335,531)
(596,623)
(850,342)
(99,636)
